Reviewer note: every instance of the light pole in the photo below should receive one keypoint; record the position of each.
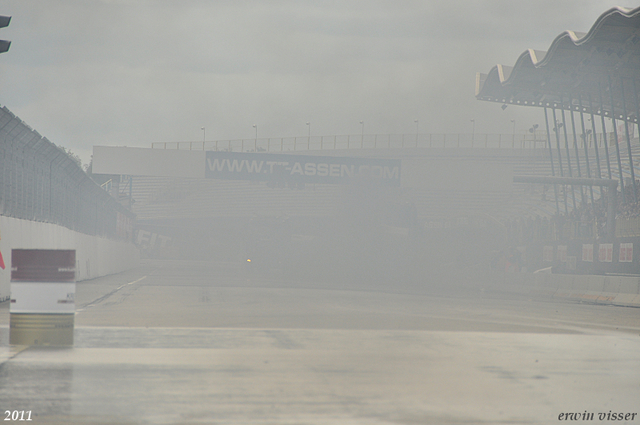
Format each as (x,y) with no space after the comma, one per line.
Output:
(256,140)
(473,131)
(362,135)
(513,136)
(417,123)
(204,134)
(309,135)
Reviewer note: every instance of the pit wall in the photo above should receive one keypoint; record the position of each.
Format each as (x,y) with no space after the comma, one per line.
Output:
(595,289)
(95,256)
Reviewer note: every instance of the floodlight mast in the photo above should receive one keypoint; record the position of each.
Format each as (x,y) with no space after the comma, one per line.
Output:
(4,44)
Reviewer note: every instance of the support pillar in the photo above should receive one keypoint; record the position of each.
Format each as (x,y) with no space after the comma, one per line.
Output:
(604,132)
(595,137)
(615,135)
(575,147)
(553,172)
(566,146)
(584,142)
(555,129)
(626,131)
(611,212)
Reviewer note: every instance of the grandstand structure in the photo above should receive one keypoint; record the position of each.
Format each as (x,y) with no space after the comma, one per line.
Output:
(585,83)
(594,73)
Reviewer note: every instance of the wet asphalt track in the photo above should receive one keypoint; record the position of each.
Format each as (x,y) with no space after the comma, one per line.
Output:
(180,342)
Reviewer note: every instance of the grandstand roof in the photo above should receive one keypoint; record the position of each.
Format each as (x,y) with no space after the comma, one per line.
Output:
(576,70)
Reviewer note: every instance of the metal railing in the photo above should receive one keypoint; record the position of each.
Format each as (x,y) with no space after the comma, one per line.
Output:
(359,141)
(372,141)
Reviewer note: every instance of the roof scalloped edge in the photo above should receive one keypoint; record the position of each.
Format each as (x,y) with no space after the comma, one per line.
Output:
(538,58)
(580,38)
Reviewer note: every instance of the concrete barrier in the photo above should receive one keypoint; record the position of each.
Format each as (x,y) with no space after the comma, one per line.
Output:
(545,285)
(565,286)
(610,289)
(615,290)
(521,283)
(628,292)
(594,286)
(629,285)
(95,256)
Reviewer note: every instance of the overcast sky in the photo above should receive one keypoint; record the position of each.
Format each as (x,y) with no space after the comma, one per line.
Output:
(117,72)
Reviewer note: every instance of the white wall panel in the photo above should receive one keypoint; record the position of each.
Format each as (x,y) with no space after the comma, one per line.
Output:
(95,256)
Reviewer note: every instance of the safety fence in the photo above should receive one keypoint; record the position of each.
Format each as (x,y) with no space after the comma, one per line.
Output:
(41,182)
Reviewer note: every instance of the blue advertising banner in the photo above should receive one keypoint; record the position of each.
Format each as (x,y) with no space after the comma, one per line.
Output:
(300,168)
